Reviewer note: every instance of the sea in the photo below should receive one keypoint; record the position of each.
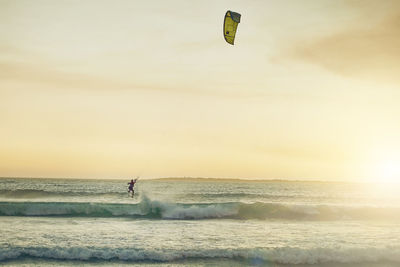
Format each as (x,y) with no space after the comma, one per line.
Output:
(198,222)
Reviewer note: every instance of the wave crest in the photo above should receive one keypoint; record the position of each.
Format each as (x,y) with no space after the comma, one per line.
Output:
(154,209)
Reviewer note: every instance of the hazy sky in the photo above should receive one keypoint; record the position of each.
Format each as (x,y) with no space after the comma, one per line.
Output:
(112,89)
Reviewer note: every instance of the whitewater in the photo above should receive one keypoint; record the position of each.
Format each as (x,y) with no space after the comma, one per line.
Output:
(61,222)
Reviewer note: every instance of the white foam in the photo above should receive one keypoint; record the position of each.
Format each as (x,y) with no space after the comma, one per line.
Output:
(199,212)
(281,255)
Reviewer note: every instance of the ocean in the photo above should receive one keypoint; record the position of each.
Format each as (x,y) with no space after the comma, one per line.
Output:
(198,222)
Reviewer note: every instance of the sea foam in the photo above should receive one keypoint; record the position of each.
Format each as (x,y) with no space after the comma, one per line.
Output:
(280,255)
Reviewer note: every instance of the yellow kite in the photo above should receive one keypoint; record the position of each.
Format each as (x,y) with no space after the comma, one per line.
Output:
(231,21)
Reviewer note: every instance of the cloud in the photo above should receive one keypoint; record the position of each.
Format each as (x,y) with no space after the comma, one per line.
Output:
(362,52)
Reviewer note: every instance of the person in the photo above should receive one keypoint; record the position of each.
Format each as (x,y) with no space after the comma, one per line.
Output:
(131,185)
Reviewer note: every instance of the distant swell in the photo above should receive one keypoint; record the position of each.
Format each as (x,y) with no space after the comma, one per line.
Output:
(279,255)
(147,208)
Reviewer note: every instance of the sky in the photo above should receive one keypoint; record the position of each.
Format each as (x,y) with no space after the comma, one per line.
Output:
(114,89)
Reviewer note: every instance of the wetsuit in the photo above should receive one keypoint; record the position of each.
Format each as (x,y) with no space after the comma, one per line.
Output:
(131,184)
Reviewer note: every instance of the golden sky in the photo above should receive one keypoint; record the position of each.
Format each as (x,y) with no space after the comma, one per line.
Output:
(111,89)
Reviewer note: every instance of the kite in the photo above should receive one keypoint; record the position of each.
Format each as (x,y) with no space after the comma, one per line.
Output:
(231,21)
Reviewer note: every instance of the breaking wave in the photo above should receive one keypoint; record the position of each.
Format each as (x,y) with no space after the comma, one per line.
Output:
(153,209)
(279,255)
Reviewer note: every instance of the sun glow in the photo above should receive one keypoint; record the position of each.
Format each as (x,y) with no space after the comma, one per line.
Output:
(388,171)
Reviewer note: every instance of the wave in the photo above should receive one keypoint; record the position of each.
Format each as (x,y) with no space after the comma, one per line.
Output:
(232,195)
(35,193)
(153,209)
(278,255)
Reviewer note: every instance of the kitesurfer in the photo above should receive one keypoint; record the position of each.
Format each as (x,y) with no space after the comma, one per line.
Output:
(131,185)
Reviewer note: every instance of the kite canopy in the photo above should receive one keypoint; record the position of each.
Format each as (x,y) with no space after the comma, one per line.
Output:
(231,21)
